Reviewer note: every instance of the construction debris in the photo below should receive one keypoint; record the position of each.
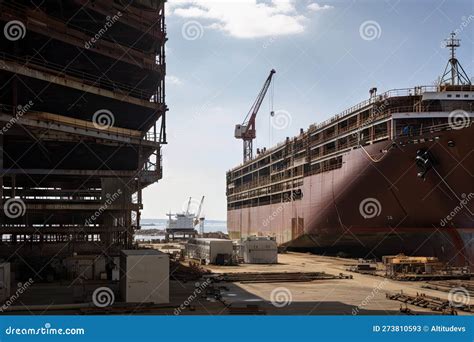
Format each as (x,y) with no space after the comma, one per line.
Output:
(184,273)
(402,267)
(433,303)
(449,285)
(364,267)
(251,277)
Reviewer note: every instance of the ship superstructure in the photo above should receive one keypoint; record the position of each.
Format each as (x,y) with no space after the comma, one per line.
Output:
(184,224)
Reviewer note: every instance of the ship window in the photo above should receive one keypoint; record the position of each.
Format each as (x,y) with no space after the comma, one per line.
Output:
(457,95)
(449,95)
(466,95)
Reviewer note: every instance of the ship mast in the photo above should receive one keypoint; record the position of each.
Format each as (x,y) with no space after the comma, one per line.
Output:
(454,73)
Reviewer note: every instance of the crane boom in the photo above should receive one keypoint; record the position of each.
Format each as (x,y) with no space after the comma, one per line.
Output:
(199,219)
(189,205)
(198,214)
(247,130)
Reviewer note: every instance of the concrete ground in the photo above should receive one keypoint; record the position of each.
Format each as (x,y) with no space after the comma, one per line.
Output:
(362,295)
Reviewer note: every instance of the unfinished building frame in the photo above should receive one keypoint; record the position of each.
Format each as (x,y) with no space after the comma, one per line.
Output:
(82,122)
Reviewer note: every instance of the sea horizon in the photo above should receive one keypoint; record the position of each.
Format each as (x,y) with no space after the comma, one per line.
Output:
(209,225)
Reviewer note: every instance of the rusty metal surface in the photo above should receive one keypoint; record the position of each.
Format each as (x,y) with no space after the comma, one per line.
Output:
(328,216)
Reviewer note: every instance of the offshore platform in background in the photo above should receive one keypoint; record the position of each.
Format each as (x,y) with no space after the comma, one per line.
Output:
(82,111)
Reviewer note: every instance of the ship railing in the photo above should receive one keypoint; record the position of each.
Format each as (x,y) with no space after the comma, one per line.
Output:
(378,98)
(325,168)
(265,191)
(264,181)
(379,116)
(402,92)
(420,130)
(278,188)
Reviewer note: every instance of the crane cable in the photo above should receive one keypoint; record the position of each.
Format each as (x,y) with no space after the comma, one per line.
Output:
(271,103)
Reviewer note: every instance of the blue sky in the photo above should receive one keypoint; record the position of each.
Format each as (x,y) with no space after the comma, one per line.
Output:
(327,56)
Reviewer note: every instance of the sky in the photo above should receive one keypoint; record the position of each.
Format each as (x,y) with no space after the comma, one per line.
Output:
(327,55)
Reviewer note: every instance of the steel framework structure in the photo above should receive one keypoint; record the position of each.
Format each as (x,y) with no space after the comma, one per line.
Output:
(82,121)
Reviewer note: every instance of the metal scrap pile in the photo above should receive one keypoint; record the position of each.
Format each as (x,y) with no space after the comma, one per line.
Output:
(272,277)
(184,273)
(434,303)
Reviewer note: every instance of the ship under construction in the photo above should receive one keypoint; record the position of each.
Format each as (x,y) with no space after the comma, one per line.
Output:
(82,119)
(392,174)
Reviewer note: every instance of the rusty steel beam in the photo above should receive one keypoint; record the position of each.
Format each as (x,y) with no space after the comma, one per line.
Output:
(99,173)
(59,230)
(76,130)
(140,20)
(145,177)
(78,206)
(49,27)
(72,82)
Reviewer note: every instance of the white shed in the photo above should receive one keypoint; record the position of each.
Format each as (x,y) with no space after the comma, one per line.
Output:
(259,250)
(144,276)
(209,249)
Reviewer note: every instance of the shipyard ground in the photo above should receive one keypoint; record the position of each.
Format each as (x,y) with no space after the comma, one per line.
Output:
(361,295)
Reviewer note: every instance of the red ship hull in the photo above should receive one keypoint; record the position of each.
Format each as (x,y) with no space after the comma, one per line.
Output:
(376,205)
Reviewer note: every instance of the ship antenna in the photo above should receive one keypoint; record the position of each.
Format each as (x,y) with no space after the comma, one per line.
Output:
(454,73)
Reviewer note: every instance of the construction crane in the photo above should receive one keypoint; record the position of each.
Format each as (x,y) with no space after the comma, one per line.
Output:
(198,219)
(247,130)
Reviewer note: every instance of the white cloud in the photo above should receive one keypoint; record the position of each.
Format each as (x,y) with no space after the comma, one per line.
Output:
(243,18)
(317,7)
(170,79)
